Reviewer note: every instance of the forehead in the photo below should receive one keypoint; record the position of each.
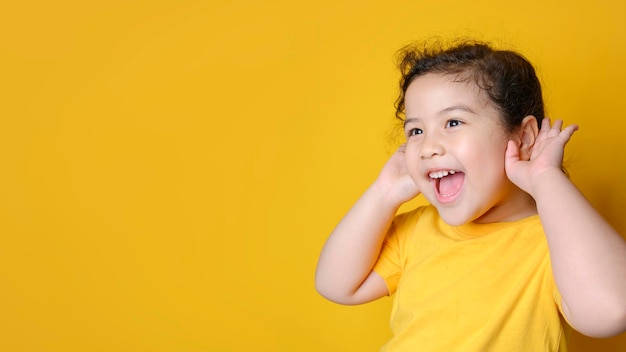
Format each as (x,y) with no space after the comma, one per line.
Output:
(434,92)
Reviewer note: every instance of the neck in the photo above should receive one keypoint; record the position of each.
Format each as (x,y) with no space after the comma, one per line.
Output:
(517,205)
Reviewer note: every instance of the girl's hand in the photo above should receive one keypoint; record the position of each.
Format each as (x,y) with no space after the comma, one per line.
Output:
(394,180)
(546,155)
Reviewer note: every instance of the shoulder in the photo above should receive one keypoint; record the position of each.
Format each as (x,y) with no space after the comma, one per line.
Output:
(421,214)
(416,220)
(424,211)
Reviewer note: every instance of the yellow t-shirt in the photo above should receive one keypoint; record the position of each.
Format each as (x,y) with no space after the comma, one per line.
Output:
(476,287)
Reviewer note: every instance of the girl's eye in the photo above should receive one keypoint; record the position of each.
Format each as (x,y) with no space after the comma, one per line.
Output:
(414,132)
(453,123)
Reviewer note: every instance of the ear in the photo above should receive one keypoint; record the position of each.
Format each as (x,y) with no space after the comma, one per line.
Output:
(527,135)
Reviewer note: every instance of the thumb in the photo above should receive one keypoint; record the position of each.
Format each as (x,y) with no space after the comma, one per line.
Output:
(511,155)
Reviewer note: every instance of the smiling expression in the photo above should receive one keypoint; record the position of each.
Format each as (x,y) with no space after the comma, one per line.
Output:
(455,152)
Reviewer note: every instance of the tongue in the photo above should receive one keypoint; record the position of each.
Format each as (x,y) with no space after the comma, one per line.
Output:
(451,184)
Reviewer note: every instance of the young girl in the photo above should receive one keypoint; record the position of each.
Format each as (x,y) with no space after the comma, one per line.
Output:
(509,254)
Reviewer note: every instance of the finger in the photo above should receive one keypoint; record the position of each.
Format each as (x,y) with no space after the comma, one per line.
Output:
(557,125)
(402,148)
(511,157)
(512,152)
(545,128)
(568,132)
(556,128)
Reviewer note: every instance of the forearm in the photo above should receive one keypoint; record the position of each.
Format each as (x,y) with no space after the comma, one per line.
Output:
(588,257)
(354,245)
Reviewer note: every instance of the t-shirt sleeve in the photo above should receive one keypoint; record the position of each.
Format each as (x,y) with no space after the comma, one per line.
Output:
(390,260)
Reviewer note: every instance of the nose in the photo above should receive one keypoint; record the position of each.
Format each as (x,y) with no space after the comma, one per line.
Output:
(431,147)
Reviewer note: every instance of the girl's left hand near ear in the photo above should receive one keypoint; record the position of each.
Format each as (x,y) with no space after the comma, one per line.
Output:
(546,155)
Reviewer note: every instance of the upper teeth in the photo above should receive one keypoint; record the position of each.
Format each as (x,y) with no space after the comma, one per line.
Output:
(440,174)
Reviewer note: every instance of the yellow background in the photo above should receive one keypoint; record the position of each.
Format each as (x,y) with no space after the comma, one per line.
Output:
(170,170)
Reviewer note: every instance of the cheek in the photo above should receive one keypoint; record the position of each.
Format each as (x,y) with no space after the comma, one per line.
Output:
(485,156)
(412,161)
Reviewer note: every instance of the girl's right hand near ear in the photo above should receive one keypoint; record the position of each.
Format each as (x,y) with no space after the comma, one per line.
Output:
(394,180)
(344,271)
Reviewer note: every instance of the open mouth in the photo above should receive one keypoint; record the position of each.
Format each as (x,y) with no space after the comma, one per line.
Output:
(447,184)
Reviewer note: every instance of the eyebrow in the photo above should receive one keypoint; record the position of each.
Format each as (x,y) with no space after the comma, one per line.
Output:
(461,107)
(407,121)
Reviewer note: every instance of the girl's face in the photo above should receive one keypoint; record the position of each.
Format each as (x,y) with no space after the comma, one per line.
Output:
(455,152)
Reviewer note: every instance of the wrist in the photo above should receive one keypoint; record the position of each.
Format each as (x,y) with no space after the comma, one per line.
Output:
(386,195)
(547,181)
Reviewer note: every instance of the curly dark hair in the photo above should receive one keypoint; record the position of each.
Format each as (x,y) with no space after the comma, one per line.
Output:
(506,76)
